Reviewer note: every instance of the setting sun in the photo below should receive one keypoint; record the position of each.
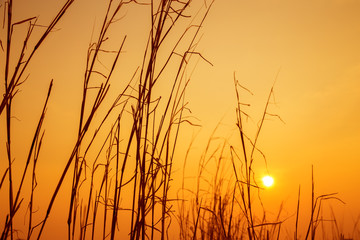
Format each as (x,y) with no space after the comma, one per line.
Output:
(268,181)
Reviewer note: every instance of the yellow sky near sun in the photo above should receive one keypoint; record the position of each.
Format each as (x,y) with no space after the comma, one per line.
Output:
(314,45)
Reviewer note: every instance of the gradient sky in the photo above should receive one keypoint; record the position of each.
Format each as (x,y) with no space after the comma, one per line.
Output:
(313,46)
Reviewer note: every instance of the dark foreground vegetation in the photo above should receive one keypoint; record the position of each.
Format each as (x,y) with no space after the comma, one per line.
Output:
(118,178)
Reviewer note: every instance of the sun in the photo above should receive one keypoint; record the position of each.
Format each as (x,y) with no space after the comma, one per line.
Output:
(268,181)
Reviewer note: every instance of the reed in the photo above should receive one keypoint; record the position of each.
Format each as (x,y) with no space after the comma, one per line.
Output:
(138,158)
(118,176)
(228,208)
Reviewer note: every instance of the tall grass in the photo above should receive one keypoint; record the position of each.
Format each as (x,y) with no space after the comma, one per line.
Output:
(228,213)
(120,165)
(135,161)
(226,202)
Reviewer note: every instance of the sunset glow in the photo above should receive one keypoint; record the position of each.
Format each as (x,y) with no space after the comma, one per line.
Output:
(179,119)
(268,181)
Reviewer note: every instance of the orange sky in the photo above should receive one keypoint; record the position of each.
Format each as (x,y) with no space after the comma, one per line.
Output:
(312,44)
(315,46)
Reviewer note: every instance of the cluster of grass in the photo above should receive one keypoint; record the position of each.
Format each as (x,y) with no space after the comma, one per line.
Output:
(227,204)
(135,156)
(125,145)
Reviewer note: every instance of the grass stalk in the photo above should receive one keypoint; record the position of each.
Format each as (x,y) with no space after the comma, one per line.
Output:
(297,216)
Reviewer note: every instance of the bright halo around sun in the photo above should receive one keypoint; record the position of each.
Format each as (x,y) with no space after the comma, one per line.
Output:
(268,181)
